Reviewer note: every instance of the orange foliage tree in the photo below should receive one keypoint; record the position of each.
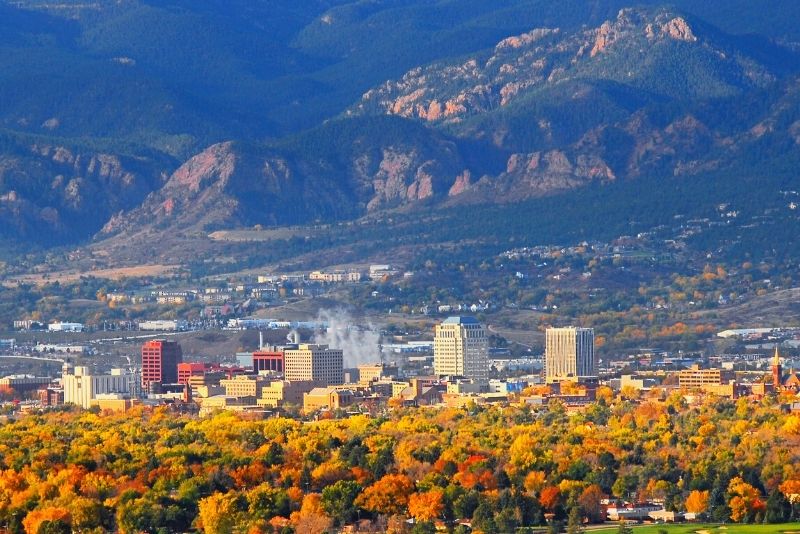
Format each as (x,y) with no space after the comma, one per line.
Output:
(697,502)
(388,496)
(426,506)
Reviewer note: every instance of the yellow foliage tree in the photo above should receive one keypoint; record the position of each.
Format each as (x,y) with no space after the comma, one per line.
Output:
(218,513)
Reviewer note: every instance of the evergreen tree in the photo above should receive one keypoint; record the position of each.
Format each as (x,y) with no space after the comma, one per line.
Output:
(574,521)
(424,527)
(779,509)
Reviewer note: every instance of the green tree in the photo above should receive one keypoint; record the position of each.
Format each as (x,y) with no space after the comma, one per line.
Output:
(338,501)
(779,509)
(266,502)
(424,527)
(574,521)
(56,526)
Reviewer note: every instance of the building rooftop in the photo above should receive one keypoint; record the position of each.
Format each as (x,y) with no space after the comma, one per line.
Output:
(460,320)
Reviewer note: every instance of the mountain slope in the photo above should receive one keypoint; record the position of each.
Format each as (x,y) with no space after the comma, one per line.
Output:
(55,192)
(339,171)
(487,102)
(542,113)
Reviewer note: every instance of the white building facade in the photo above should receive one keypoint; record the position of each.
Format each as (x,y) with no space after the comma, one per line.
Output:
(81,387)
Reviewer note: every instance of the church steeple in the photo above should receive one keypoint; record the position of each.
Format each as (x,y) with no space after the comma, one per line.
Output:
(777,372)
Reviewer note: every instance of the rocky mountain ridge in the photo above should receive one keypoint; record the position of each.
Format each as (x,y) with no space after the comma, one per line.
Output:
(624,50)
(652,92)
(535,81)
(53,192)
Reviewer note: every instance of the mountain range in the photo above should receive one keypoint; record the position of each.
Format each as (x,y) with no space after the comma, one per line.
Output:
(161,117)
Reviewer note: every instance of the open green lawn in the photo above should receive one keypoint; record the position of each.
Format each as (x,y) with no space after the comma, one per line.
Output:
(713,529)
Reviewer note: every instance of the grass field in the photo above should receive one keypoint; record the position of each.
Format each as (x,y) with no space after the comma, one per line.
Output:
(785,528)
(65,277)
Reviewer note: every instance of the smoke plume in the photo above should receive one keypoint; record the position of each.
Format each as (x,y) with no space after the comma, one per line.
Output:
(360,343)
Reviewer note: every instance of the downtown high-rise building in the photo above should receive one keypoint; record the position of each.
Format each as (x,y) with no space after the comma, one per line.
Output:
(569,354)
(308,362)
(160,359)
(461,348)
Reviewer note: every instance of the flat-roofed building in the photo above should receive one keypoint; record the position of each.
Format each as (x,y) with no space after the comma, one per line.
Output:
(376,371)
(281,393)
(81,387)
(268,360)
(187,370)
(569,354)
(65,327)
(51,396)
(696,378)
(314,362)
(210,405)
(461,348)
(114,402)
(327,399)
(160,359)
(244,386)
(22,384)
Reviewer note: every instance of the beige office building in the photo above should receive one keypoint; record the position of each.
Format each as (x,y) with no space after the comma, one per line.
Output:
(569,354)
(244,386)
(282,392)
(461,348)
(697,378)
(314,362)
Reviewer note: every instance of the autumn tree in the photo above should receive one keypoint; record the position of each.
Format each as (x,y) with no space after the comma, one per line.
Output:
(550,498)
(426,506)
(389,495)
(266,502)
(311,518)
(697,502)
(590,502)
(218,513)
(745,502)
(53,516)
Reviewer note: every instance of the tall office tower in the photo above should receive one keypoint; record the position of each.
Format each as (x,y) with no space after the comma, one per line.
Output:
(569,354)
(314,362)
(461,347)
(160,359)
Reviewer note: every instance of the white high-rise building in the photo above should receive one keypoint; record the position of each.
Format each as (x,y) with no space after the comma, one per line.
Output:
(314,362)
(461,347)
(81,388)
(569,354)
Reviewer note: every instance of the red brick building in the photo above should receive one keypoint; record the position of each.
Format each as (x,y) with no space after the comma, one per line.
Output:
(187,370)
(268,360)
(160,361)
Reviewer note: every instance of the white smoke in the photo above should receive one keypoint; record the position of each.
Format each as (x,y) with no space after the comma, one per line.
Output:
(360,343)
